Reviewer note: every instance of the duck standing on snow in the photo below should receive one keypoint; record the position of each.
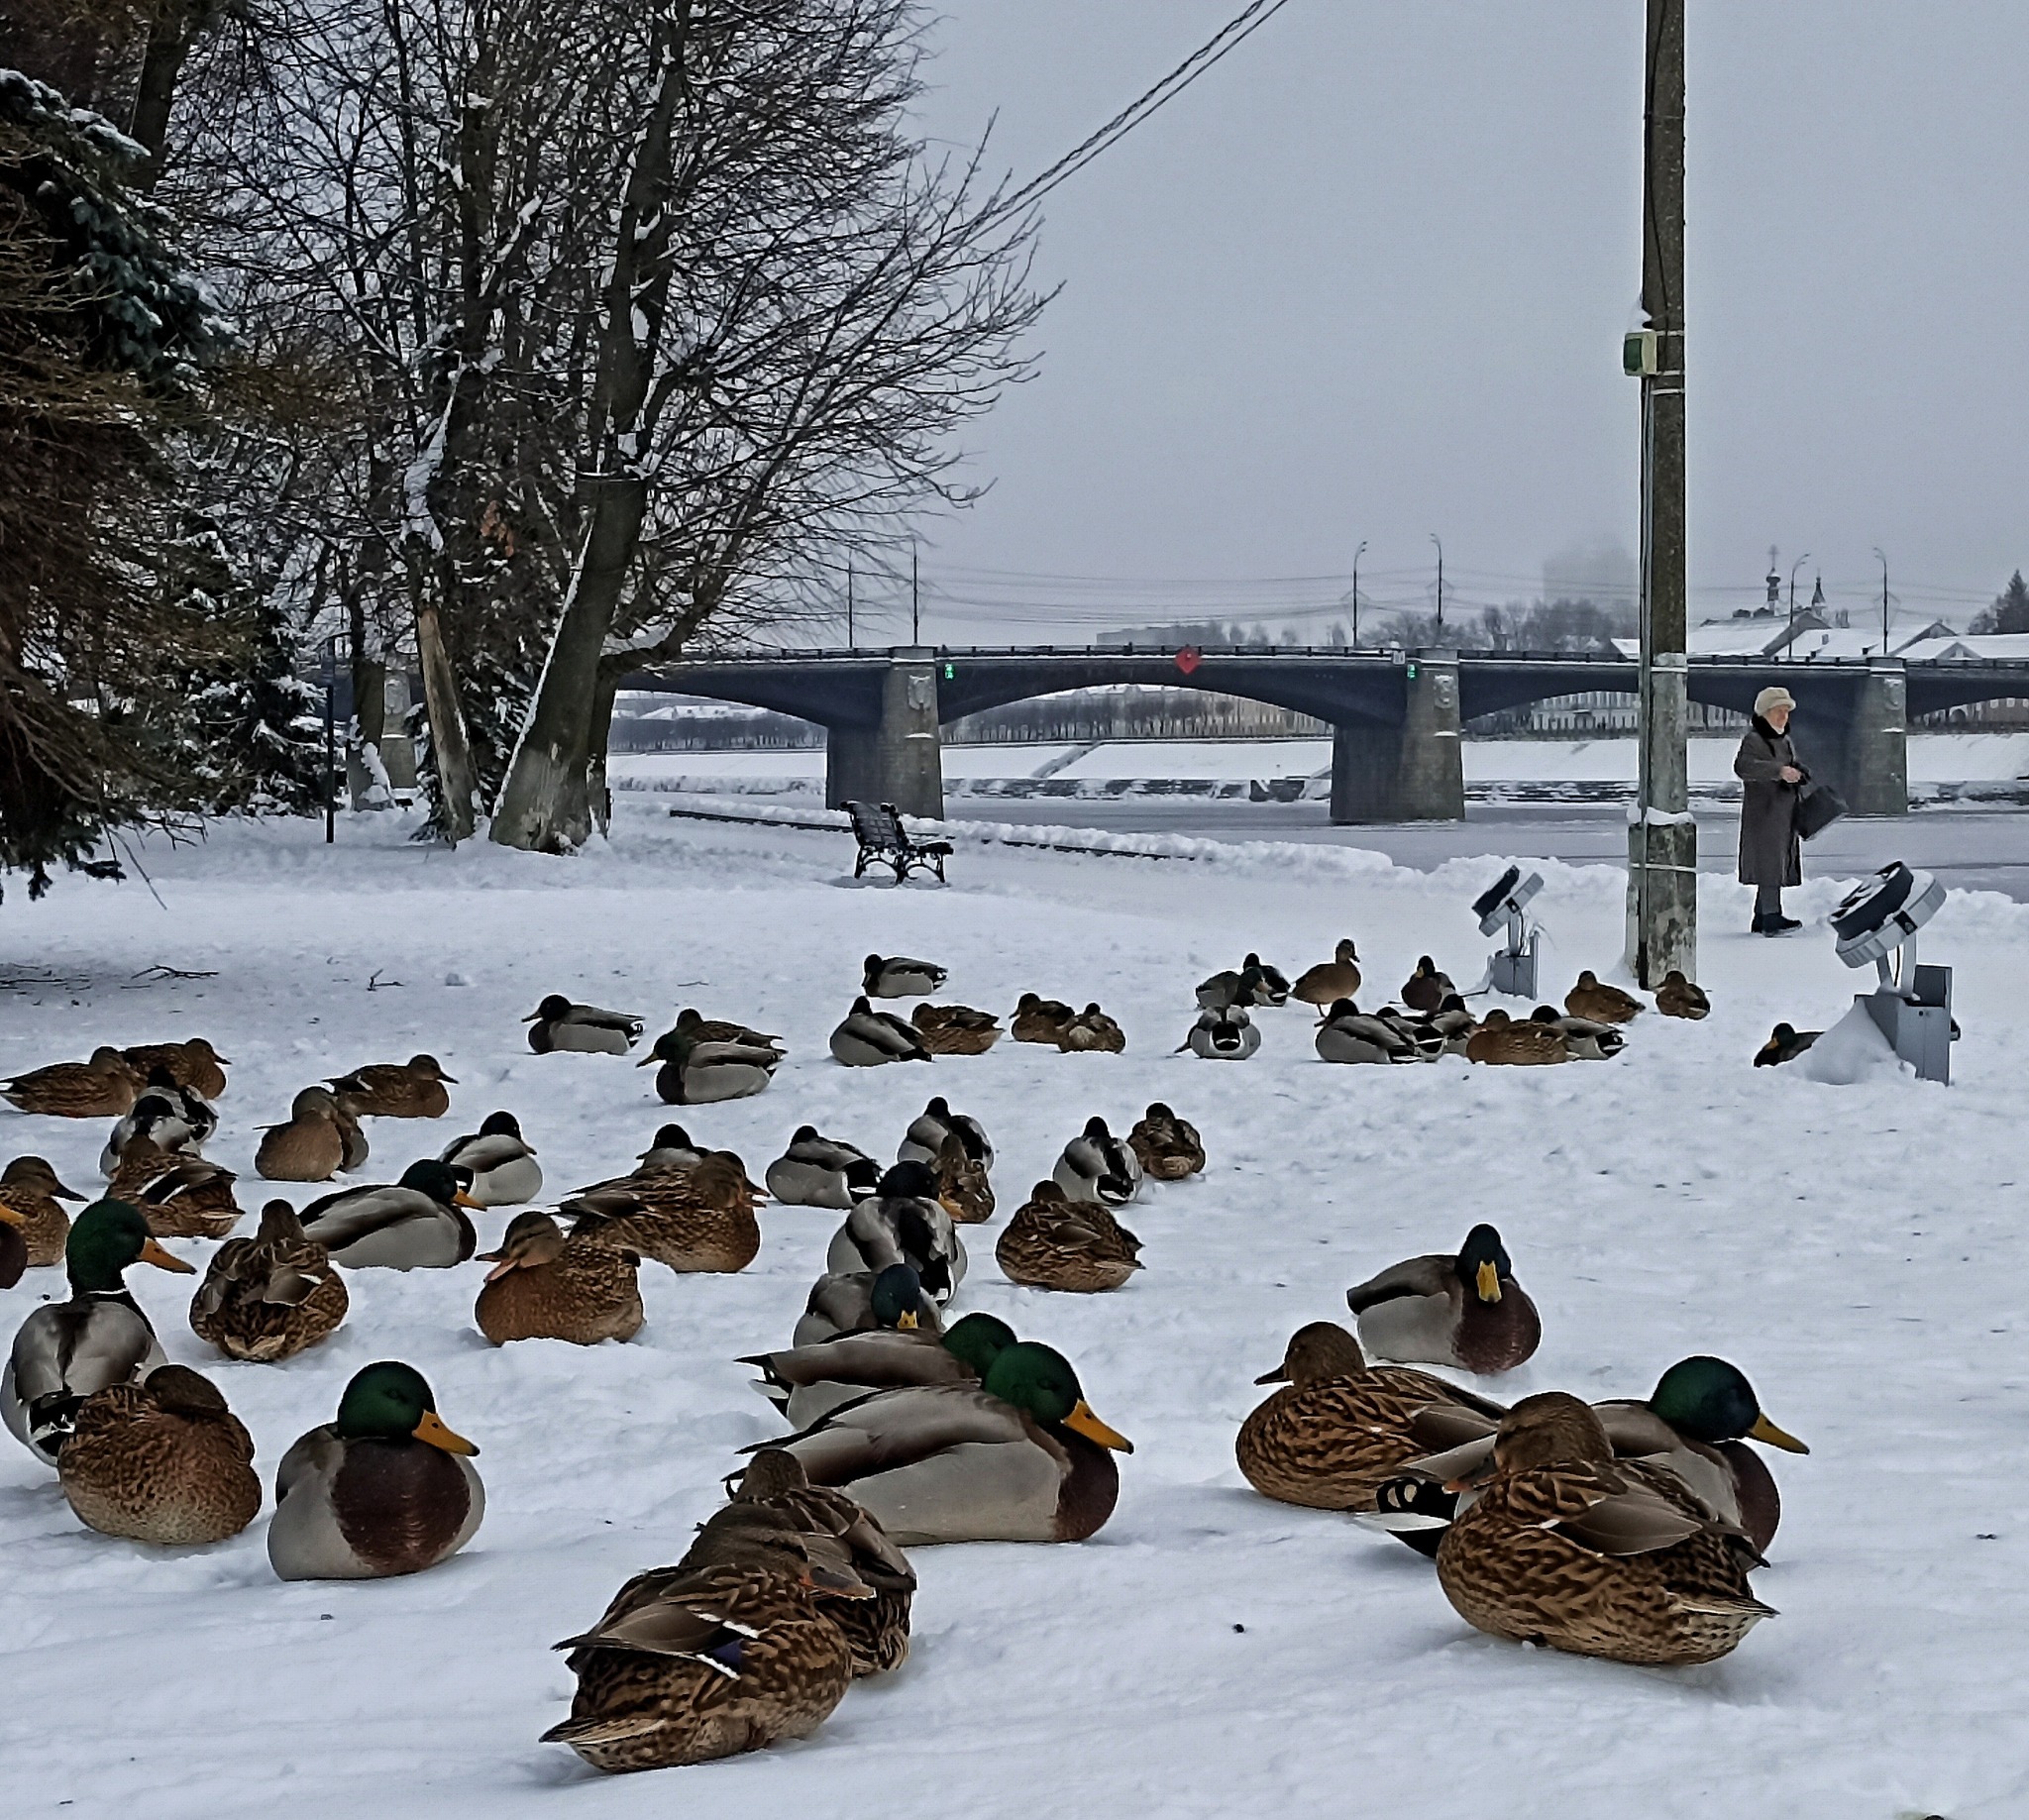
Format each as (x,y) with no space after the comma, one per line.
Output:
(819,1171)
(65,1351)
(1167,1148)
(1096,1167)
(416,1223)
(101,1088)
(1018,1457)
(192,1063)
(317,1141)
(181,1197)
(867,1038)
(1340,1428)
(1677,997)
(413,1089)
(30,1187)
(1040,1019)
(1330,980)
(1055,1243)
(1226,1035)
(865,1301)
(161,1460)
(383,1489)
(1465,1310)
(956,1030)
(1567,1545)
(501,1163)
(899,977)
(924,1141)
(544,1286)
(173,1118)
(269,1297)
(700,1219)
(1593,998)
(1504,1042)
(557,1026)
(902,1223)
(1785,1043)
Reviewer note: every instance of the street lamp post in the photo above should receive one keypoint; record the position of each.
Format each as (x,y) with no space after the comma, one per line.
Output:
(1357,555)
(1441,586)
(1790,650)
(1884,598)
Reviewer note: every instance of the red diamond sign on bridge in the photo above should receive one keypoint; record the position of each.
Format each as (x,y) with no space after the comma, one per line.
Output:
(1189,658)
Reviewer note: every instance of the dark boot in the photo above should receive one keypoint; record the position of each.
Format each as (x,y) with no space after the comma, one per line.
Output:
(1782,926)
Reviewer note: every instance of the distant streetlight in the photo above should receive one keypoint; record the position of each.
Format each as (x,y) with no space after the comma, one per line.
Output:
(1440,581)
(1357,555)
(1790,650)
(1884,598)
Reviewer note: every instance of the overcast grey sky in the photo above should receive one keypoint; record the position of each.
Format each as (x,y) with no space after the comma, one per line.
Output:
(1368,277)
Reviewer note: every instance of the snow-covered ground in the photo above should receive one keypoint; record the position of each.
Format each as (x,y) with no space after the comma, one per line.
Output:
(1860,1252)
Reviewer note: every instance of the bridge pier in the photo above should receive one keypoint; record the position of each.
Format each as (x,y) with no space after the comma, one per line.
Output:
(1413,772)
(901,757)
(1863,754)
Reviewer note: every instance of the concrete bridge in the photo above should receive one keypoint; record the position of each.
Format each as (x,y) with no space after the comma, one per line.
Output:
(1395,716)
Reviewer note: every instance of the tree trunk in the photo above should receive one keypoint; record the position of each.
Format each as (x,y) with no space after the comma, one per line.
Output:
(450,751)
(170,34)
(598,739)
(365,774)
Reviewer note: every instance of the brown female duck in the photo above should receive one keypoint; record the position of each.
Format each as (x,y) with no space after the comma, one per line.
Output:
(544,1286)
(1055,1243)
(698,1218)
(193,1064)
(163,1460)
(101,1088)
(1169,1147)
(413,1089)
(181,1197)
(271,1296)
(29,1186)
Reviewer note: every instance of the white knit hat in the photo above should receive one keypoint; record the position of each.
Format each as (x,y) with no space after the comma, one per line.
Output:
(1774,696)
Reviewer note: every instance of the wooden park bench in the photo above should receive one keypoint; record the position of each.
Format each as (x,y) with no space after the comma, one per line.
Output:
(885,841)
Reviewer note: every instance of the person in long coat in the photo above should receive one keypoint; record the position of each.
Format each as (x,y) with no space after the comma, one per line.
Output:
(1770,855)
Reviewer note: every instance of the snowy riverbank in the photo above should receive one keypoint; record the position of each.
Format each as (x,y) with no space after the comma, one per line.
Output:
(1858,1252)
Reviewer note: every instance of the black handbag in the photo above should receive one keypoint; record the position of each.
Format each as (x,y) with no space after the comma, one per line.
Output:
(1818,806)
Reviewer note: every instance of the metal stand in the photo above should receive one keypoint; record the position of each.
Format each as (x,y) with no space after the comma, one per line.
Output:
(1512,967)
(1912,1005)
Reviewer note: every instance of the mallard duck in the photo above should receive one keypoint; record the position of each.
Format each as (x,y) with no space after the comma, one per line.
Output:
(672,1148)
(692,1220)
(963,1189)
(1341,1428)
(1233,986)
(924,1141)
(101,1088)
(1428,987)
(1346,1034)
(1593,998)
(413,1089)
(65,1351)
(902,1223)
(30,1187)
(192,1063)
(416,1223)
(556,1026)
(385,1488)
(1570,1548)
(1452,1023)
(1677,997)
(807,1381)
(1018,1457)
(691,1667)
(161,1460)
(1504,1042)
(704,1073)
(501,1163)
(1226,1035)
(544,1286)
(864,1302)
(867,1038)
(1092,1031)
(776,1499)
(819,1171)
(271,1296)
(956,1030)
(182,1197)
(1785,1043)
(1465,1310)
(171,1117)
(899,977)
(1055,1243)
(1330,980)
(315,1144)
(1167,1148)
(1585,1038)
(1038,1019)
(1096,1167)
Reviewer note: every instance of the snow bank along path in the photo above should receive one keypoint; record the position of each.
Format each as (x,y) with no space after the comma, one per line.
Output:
(1859,1252)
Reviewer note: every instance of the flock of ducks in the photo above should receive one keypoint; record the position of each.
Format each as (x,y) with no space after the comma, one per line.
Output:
(1622,1529)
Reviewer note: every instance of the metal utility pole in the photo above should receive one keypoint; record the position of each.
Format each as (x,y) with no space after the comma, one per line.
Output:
(1790,650)
(851,643)
(1662,842)
(1884,599)
(915,597)
(1357,555)
(1441,586)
